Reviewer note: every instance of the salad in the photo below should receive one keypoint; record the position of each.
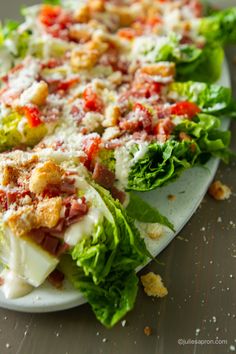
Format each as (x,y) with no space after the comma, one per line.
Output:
(99,100)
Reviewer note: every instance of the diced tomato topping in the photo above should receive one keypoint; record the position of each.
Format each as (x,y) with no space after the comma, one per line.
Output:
(154,21)
(32,114)
(197,7)
(91,146)
(127,33)
(145,116)
(55,20)
(92,102)
(16,197)
(185,108)
(164,127)
(66,85)
(51,63)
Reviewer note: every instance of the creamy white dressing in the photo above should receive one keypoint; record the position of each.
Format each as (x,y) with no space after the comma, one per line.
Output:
(83,228)
(124,160)
(14,286)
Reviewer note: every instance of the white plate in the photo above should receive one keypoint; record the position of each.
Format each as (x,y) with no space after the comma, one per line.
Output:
(189,190)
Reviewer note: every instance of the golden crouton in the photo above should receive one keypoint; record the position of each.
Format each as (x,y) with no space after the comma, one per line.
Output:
(123,13)
(96,5)
(40,93)
(79,33)
(47,174)
(159,69)
(82,14)
(9,175)
(22,221)
(112,115)
(153,285)
(219,191)
(48,212)
(87,55)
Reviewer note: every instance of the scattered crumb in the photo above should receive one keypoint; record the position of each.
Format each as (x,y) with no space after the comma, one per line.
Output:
(232,348)
(98,334)
(152,230)
(153,285)
(171,197)
(7,345)
(123,323)
(214,319)
(219,191)
(197,331)
(147,331)
(219,219)
(104,340)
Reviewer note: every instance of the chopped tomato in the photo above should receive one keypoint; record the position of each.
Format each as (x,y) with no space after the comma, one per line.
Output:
(164,127)
(145,116)
(32,114)
(140,118)
(16,197)
(92,102)
(51,63)
(197,7)
(185,108)
(127,33)
(66,85)
(154,21)
(55,20)
(91,147)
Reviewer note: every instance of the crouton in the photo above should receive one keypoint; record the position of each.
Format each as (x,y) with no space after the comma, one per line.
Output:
(153,285)
(47,174)
(48,212)
(219,191)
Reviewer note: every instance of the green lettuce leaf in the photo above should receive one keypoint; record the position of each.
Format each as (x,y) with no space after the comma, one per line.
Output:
(11,137)
(206,68)
(103,265)
(210,98)
(165,162)
(220,27)
(141,211)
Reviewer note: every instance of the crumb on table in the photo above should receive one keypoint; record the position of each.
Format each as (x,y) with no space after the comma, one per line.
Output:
(219,191)
(171,197)
(153,285)
(147,331)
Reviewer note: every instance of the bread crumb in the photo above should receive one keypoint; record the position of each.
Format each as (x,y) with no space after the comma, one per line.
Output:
(171,197)
(147,331)
(219,191)
(153,285)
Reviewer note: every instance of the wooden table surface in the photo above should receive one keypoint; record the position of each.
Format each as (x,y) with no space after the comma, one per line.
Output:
(198,267)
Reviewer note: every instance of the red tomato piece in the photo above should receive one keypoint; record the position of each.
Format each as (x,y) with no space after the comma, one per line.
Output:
(164,127)
(66,85)
(145,116)
(185,108)
(127,33)
(92,102)
(55,20)
(91,147)
(32,114)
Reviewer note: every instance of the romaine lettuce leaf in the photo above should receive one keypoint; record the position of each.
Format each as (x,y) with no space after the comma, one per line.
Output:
(206,68)
(165,162)
(210,98)
(10,136)
(141,211)
(220,26)
(103,265)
